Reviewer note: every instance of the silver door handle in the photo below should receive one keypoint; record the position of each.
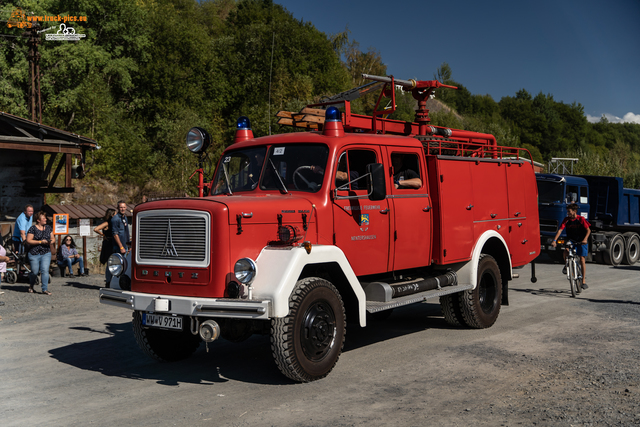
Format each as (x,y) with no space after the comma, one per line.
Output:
(384,211)
(427,209)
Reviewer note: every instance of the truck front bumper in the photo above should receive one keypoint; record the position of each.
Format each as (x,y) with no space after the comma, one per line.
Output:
(187,306)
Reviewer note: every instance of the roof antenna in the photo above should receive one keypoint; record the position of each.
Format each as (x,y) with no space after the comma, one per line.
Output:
(273,42)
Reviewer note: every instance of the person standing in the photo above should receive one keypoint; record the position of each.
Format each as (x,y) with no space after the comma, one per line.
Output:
(39,237)
(23,223)
(106,231)
(120,228)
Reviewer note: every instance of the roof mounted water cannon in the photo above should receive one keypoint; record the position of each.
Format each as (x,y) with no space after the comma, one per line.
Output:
(409,84)
(421,91)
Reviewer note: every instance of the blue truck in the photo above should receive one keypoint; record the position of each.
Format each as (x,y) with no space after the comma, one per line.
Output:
(612,210)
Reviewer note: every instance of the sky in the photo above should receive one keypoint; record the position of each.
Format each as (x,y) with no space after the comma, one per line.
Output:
(582,51)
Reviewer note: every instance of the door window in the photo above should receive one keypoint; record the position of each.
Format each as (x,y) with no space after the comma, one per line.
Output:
(406,171)
(352,169)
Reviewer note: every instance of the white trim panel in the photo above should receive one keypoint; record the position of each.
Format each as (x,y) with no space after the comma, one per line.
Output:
(279,269)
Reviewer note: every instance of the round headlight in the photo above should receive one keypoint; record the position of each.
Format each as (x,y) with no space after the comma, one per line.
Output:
(245,270)
(116,264)
(198,140)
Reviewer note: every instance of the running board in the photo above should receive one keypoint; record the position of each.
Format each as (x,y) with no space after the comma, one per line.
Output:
(376,306)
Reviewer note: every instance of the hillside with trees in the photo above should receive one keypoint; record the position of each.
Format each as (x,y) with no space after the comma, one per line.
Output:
(148,71)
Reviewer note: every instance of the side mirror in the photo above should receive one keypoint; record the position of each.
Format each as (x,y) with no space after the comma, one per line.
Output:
(377,185)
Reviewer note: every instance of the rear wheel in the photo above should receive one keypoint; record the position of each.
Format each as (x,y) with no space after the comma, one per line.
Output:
(450,306)
(307,342)
(480,306)
(632,248)
(164,345)
(614,252)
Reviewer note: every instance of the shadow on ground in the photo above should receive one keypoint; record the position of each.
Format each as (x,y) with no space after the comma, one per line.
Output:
(114,352)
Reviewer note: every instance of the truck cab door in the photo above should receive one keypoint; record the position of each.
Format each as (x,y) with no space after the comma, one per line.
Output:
(410,208)
(361,226)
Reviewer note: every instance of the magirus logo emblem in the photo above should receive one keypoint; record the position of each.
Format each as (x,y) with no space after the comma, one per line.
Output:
(169,250)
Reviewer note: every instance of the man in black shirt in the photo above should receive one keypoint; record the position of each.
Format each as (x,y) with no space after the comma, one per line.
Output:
(404,177)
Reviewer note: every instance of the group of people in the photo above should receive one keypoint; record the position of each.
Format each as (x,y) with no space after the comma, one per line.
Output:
(37,241)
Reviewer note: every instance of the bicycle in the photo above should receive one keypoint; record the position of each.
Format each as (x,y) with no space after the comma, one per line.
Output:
(573,269)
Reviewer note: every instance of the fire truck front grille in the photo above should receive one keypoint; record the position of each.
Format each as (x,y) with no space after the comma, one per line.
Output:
(173,238)
(550,225)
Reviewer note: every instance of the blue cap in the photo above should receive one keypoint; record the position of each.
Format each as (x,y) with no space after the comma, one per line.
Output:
(243,123)
(333,115)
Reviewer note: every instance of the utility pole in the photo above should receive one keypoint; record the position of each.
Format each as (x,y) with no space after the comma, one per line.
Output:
(35,100)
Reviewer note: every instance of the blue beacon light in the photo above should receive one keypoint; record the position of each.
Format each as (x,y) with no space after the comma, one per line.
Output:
(333,115)
(243,123)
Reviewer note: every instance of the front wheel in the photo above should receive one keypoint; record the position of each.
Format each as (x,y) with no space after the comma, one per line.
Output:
(164,345)
(575,282)
(11,276)
(307,342)
(480,306)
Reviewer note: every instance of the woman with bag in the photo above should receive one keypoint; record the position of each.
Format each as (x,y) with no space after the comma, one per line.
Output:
(106,232)
(39,237)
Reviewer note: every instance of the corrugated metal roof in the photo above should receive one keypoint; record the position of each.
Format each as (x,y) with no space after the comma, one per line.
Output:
(84,211)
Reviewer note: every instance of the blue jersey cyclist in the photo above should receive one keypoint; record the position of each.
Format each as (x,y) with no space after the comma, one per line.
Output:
(578,231)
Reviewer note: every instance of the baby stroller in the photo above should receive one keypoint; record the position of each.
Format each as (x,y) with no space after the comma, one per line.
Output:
(19,269)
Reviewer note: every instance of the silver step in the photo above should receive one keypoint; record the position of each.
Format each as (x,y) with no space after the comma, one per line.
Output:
(376,306)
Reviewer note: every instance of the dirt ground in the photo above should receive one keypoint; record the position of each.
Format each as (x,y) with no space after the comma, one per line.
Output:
(550,360)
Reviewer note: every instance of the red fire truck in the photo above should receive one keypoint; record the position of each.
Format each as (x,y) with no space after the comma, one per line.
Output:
(299,232)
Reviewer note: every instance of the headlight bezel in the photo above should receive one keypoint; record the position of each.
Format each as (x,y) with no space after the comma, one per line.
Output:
(245,270)
(198,140)
(117,264)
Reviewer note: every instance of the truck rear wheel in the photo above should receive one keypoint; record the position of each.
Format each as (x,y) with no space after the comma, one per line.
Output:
(307,342)
(450,306)
(632,248)
(614,252)
(480,306)
(164,345)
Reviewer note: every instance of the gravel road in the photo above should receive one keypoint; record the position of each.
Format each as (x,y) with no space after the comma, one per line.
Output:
(550,360)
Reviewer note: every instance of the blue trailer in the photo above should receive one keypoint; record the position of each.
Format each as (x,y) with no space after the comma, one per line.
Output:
(612,210)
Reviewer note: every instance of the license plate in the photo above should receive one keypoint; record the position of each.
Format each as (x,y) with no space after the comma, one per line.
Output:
(161,321)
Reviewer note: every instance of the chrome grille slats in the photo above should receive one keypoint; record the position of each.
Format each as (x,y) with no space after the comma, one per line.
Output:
(173,237)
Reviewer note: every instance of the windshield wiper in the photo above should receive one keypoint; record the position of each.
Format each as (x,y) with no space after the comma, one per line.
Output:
(284,187)
(226,177)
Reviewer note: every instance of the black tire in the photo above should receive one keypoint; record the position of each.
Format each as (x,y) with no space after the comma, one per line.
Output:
(614,252)
(573,278)
(164,345)
(480,306)
(11,277)
(450,306)
(307,342)
(632,248)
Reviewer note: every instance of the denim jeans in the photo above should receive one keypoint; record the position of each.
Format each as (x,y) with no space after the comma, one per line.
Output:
(68,262)
(40,263)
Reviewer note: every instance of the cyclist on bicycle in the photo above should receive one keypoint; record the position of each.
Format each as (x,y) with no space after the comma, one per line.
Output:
(578,232)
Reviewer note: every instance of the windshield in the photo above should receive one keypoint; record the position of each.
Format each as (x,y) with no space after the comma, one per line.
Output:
(239,171)
(295,167)
(550,192)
